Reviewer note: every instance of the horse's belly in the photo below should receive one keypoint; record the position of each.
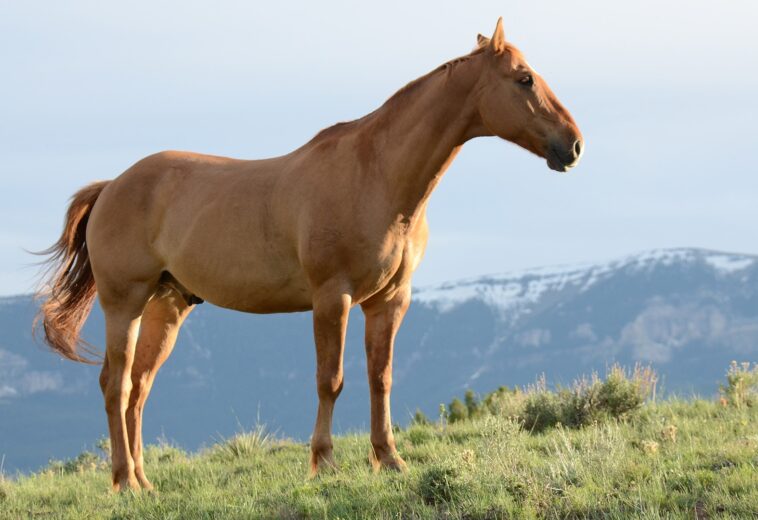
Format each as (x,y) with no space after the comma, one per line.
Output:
(261,299)
(252,293)
(243,279)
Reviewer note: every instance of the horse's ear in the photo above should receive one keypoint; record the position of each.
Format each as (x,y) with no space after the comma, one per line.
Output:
(497,42)
(482,41)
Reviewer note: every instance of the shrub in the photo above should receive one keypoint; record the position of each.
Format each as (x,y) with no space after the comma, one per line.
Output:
(420,418)
(163,452)
(457,411)
(472,404)
(621,393)
(469,408)
(504,402)
(85,461)
(103,445)
(578,404)
(244,445)
(741,389)
(439,485)
(587,401)
(542,410)
(616,397)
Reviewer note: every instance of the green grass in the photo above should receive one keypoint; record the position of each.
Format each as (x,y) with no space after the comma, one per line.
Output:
(667,461)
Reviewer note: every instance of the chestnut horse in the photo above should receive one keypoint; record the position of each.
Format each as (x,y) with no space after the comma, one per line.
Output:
(339,222)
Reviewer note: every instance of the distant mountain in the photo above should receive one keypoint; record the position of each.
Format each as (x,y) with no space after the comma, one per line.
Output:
(689,312)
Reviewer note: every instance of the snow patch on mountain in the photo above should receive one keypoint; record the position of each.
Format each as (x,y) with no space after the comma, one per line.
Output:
(730,263)
(515,292)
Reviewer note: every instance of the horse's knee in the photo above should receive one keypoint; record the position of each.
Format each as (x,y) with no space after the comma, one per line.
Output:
(330,387)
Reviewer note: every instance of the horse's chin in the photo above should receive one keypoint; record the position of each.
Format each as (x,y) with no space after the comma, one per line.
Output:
(558,166)
(556,163)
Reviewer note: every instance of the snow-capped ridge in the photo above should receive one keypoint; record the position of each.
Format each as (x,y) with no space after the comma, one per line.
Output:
(514,292)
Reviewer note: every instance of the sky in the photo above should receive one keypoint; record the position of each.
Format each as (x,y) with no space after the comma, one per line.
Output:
(663,91)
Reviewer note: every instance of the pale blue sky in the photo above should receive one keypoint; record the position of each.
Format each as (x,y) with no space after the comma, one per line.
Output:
(665,93)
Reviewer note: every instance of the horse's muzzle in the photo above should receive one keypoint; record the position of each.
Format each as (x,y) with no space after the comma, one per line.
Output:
(561,158)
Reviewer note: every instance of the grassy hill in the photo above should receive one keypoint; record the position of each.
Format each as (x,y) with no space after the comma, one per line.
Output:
(672,459)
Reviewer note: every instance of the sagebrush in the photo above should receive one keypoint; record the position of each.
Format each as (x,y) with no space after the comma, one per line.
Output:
(741,388)
(586,401)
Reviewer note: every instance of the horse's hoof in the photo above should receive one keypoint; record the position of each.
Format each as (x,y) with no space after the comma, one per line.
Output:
(322,462)
(391,461)
(146,485)
(126,484)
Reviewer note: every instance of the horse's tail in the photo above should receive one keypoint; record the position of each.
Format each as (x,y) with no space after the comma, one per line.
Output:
(69,291)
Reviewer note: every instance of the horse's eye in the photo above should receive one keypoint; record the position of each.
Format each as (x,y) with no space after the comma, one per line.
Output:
(527,80)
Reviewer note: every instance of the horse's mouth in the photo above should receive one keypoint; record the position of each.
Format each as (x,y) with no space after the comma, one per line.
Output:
(556,163)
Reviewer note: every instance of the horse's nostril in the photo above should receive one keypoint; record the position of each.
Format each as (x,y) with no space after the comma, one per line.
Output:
(577,148)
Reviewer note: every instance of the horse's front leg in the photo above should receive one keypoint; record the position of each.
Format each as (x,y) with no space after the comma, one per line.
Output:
(383,318)
(331,307)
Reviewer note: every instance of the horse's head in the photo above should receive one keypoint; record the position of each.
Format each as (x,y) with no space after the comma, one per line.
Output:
(516,104)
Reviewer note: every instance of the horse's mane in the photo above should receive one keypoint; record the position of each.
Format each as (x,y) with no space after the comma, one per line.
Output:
(343,127)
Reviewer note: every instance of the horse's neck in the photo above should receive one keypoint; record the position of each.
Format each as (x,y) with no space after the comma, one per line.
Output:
(418,133)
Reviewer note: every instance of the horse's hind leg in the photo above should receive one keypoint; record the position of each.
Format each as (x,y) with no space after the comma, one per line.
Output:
(123,309)
(160,325)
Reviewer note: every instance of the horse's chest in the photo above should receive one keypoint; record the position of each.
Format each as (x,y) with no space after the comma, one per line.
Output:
(370,260)
(388,264)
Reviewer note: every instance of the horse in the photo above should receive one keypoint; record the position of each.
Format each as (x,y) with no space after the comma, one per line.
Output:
(338,222)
